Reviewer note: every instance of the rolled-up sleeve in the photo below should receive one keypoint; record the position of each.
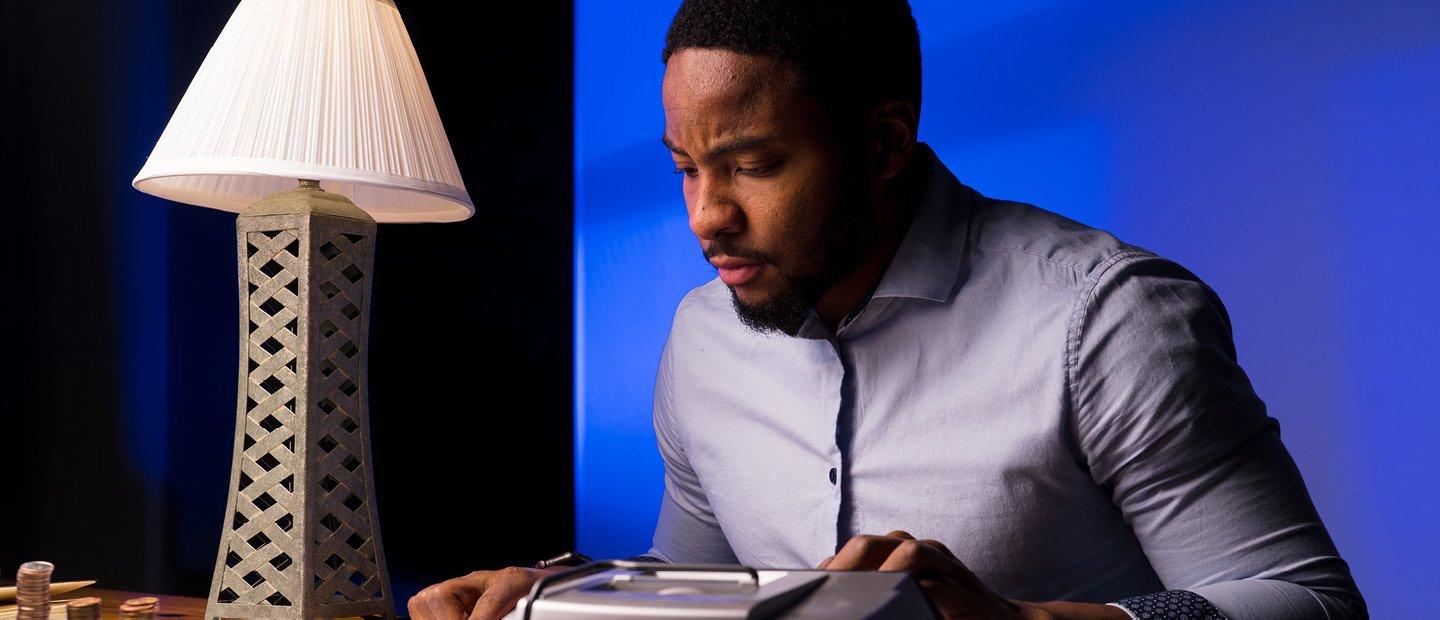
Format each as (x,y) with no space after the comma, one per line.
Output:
(1167,420)
(686,530)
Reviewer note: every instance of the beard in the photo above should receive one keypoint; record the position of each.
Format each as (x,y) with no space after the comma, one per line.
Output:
(837,249)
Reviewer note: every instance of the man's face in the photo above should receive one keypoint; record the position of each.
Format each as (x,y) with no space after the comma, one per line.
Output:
(779,207)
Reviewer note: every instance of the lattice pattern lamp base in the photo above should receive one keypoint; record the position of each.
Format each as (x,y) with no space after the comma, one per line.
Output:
(301,537)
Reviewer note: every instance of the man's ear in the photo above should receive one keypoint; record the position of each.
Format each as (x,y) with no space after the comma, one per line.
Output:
(892,137)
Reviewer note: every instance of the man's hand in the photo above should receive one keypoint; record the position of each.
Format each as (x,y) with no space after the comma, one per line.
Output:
(481,595)
(956,592)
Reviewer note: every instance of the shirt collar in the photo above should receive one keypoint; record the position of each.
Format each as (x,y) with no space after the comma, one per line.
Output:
(927,263)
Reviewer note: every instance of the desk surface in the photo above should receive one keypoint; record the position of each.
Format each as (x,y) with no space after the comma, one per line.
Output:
(110,600)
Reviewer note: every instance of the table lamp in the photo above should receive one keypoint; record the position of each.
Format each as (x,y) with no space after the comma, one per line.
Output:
(311,119)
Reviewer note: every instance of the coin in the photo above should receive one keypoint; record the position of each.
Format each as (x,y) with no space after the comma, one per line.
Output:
(142,600)
(87,608)
(32,590)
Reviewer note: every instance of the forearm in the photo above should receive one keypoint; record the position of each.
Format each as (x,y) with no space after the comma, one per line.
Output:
(1271,559)
(1170,424)
(1065,610)
(1282,600)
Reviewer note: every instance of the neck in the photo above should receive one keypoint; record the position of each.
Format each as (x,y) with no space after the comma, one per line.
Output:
(895,204)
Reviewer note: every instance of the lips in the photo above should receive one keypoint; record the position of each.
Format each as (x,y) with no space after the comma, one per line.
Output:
(737,272)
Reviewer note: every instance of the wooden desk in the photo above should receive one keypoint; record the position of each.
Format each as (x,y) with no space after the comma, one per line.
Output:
(170,606)
(110,600)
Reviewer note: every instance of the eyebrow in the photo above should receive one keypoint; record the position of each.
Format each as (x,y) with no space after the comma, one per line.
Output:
(734,145)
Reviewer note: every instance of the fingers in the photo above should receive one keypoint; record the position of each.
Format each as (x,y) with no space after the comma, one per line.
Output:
(956,591)
(940,547)
(898,551)
(450,599)
(868,552)
(506,587)
(916,557)
(954,599)
(863,552)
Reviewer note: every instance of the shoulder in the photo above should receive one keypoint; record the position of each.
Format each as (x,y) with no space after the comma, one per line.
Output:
(705,315)
(705,305)
(1101,273)
(1020,232)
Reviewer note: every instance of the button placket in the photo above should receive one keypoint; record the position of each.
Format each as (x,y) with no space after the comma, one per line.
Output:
(844,426)
(831,392)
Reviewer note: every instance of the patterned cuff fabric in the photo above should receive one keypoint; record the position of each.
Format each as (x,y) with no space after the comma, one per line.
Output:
(1174,604)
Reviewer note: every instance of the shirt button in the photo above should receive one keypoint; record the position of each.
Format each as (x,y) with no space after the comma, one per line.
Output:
(832,475)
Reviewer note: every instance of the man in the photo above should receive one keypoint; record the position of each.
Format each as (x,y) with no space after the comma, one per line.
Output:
(1058,416)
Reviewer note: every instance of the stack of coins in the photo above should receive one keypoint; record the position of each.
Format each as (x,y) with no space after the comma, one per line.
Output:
(87,608)
(32,590)
(139,607)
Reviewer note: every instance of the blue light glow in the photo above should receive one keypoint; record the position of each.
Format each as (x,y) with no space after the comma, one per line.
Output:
(138,87)
(1285,151)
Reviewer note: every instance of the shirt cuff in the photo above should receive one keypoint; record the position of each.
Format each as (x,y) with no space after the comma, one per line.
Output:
(1173,604)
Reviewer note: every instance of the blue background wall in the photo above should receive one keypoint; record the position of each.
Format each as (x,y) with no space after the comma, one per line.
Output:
(1284,151)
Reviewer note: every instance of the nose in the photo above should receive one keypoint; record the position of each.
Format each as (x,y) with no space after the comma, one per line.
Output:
(713,210)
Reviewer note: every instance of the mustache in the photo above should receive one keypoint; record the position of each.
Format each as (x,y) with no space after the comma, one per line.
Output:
(727,248)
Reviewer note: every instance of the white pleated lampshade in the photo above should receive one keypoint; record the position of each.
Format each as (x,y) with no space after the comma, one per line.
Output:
(310,89)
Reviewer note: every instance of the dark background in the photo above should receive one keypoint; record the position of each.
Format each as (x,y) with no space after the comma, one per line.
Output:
(119,310)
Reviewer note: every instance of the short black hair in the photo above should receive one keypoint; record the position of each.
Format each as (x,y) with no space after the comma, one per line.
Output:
(848,54)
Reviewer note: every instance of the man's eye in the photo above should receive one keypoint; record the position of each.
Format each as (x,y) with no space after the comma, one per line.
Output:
(756,171)
(687,171)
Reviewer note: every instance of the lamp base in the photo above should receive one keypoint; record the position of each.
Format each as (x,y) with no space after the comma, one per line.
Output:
(301,537)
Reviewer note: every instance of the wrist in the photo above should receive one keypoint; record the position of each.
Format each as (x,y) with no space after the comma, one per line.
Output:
(1066,610)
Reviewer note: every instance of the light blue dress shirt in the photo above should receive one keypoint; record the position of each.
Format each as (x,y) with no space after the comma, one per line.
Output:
(1063,410)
